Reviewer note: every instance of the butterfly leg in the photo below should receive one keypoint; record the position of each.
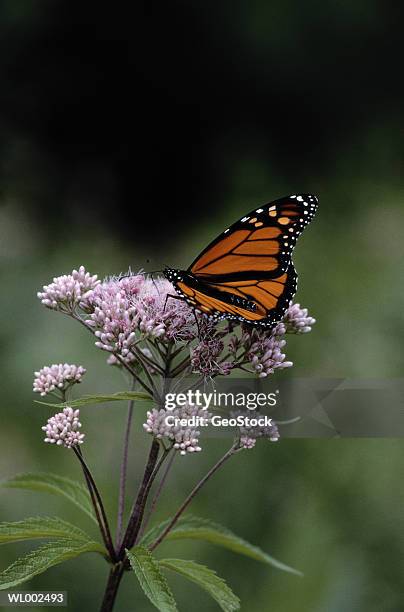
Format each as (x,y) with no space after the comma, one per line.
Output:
(197,323)
(178,297)
(174,297)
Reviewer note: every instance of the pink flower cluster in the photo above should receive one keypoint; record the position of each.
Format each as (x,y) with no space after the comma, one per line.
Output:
(259,350)
(249,435)
(57,376)
(185,438)
(63,429)
(297,320)
(206,356)
(112,314)
(124,311)
(265,354)
(67,291)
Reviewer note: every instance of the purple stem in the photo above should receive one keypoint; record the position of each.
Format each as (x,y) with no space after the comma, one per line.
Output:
(111,591)
(135,516)
(98,505)
(123,473)
(157,495)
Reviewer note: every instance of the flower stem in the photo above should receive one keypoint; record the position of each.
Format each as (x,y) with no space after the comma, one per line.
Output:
(144,358)
(181,367)
(143,362)
(98,505)
(134,524)
(95,506)
(131,371)
(145,496)
(123,473)
(111,590)
(131,530)
(191,496)
(156,496)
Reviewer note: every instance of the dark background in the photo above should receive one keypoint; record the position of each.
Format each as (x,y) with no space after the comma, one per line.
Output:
(132,140)
(103,109)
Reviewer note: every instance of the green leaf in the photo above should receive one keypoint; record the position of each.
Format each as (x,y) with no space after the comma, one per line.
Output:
(151,579)
(193,527)
(39,527)
(207,579)
(39,560)
(56,485)
(100,399)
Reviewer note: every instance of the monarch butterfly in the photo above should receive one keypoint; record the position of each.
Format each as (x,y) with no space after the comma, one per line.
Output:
(247,273)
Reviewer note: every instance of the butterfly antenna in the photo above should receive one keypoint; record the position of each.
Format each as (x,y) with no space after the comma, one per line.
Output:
(130,273)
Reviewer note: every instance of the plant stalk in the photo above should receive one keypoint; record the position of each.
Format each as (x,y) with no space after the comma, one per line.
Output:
(123,472)
(131,532)
(98,505)
(155,499)
(111,590)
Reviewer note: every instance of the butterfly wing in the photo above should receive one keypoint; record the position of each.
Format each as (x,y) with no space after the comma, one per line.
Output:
(258,245)
(247,273)
(256,301)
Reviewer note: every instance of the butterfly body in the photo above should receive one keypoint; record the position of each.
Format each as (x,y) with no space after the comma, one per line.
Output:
(247,273)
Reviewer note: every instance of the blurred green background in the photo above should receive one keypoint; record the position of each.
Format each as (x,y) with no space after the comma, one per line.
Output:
(134,141)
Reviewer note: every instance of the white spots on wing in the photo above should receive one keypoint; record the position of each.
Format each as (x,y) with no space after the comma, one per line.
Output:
(288,242)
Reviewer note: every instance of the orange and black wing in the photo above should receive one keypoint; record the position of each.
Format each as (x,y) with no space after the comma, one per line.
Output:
(256,301)
(247,273)
(258,245)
